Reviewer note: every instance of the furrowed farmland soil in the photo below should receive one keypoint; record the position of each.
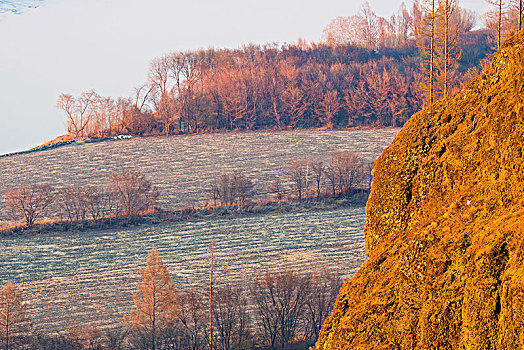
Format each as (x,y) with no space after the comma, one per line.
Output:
(91,276)
(183,167)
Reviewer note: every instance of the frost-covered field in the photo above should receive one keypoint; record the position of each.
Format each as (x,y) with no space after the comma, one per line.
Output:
(90,277)
(184,166)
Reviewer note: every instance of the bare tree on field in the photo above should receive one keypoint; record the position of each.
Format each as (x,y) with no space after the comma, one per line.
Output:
(230,315)
(277,188)
(29,201)
(191,314)
(134,192)
(332,176)
(231,188)
(71,203)
(215,192)
(92,115)
(77,111)
(244,187)
(13,321)
(318,168)
(350,170)
(154,303)
(279,301)
(324,289)
(95,201)
(297,174)
(78,203)
(226,189)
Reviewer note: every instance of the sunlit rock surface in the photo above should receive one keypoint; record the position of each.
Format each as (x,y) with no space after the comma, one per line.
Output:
(444,227)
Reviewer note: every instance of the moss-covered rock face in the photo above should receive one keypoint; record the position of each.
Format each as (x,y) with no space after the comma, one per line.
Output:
(445,227)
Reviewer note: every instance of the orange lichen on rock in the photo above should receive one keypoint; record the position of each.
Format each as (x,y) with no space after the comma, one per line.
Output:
(445,227)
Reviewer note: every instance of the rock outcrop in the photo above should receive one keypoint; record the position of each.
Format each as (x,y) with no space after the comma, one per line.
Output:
(445,227)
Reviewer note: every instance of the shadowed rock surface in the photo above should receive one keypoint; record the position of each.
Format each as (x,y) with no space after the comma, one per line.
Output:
(444,227)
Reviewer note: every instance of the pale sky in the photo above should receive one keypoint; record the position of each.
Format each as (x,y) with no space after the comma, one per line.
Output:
(52,46)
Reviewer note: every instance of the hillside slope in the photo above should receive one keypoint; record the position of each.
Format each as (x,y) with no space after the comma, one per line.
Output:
(445,227)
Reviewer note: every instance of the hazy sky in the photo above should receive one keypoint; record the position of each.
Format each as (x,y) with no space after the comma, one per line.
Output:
(52,46)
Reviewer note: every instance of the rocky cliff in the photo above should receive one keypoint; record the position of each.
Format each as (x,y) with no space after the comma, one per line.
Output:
(445,227)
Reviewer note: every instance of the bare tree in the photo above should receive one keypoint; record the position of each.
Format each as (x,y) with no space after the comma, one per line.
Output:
(350,170)
(426,42)
(79,112)
(114,338)
(324,289)
(328,107)
(13,321)
(277,188)
(296,172)
(87,336)
(245,188)
(230,315)
(29,201)
(448,50)
(294,104)
(318,168)
(78,203)
(95,202)
(70,203)
(332,176)
(279,301)
(134,192)
(231,188)
(191,314)
(496,18)
(226,189)
(343,30)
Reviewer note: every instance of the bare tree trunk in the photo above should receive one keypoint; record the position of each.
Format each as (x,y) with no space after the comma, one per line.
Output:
(432,56)
(520,14)
(211,297)
(447,14)
(499,25)
(7,330)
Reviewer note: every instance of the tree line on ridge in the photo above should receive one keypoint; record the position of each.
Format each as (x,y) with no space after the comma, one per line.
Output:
(368,71)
